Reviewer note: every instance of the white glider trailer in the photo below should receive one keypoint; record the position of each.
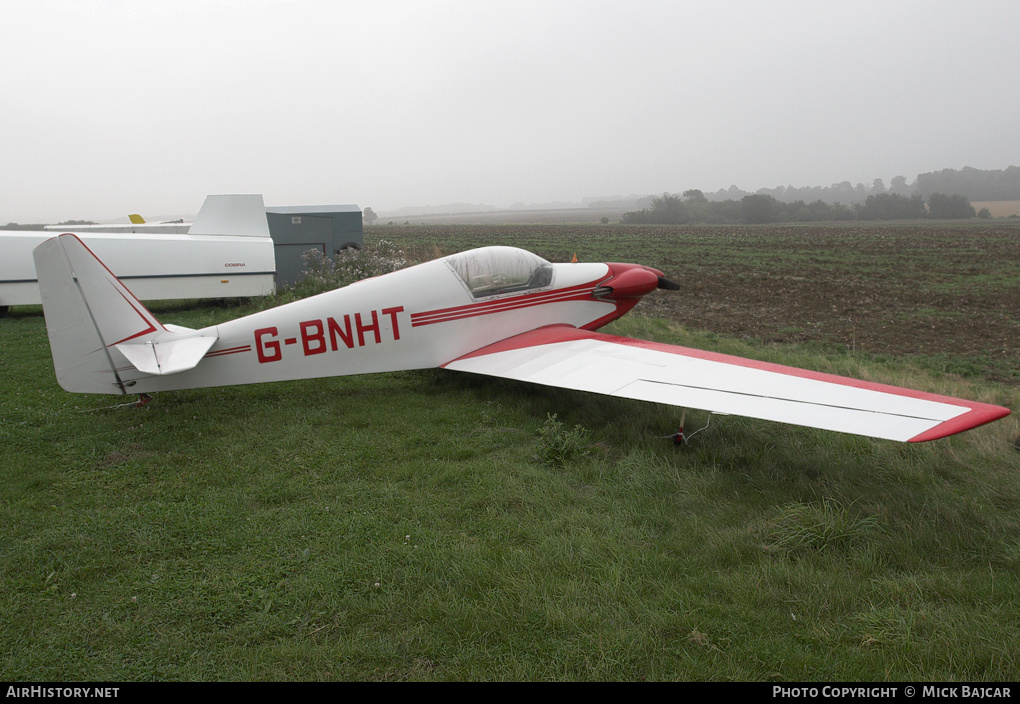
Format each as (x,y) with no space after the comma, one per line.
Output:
(226,253)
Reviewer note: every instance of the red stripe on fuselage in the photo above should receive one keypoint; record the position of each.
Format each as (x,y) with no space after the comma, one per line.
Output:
(572,293)
(229,350)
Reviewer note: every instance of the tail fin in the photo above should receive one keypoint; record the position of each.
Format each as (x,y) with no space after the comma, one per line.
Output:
(136,219)
(95,324)
(231,215)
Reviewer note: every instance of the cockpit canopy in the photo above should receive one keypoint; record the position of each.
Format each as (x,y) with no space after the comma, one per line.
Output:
(491,271)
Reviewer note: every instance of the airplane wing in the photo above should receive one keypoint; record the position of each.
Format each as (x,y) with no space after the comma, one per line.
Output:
(566,357)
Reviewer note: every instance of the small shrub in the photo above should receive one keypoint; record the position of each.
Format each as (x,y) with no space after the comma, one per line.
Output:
(324,273)
(557,445)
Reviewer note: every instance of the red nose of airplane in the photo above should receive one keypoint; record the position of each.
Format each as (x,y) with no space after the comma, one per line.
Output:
(631,281)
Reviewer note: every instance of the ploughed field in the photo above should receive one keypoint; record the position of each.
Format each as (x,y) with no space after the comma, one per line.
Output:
(946,293)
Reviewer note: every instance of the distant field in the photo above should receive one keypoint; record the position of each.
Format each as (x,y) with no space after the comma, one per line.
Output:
(506,217)
(999,208)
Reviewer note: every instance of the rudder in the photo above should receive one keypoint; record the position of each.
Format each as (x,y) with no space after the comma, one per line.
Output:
(89,312)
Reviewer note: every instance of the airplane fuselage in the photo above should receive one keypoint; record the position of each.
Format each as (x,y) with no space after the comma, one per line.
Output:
(419,317)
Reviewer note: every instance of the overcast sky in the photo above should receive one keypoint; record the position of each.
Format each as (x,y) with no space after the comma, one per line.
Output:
(110,107)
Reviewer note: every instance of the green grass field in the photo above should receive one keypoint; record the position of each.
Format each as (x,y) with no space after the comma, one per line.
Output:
(433,526)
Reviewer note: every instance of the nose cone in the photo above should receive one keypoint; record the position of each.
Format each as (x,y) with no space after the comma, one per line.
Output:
(633,282)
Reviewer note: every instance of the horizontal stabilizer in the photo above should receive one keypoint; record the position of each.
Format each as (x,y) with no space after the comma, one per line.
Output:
(166,356)
(565,357)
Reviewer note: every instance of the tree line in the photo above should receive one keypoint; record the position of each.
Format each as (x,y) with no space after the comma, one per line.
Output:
(40,226)
(976,184)
(757,208)
(938,194)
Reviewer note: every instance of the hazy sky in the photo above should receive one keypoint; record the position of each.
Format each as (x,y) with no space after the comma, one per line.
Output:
(115,106)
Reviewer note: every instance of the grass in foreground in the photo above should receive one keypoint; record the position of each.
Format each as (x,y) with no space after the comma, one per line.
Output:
(417,526)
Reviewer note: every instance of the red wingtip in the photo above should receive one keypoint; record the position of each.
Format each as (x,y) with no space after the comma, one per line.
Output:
(978,415)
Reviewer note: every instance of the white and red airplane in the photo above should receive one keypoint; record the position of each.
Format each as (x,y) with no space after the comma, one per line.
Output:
(499,311)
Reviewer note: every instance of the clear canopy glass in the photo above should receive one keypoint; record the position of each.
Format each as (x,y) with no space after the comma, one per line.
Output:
(491,271)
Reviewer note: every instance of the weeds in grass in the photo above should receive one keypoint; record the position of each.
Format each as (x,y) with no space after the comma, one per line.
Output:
(558,445)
